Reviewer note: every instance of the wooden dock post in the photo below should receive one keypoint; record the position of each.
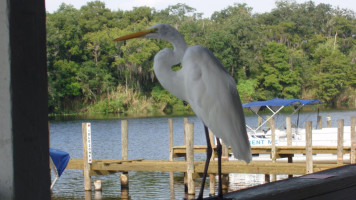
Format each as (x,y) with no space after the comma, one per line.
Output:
(87,195)
(259,121)
(289,130)
(170,139)
(267,178)
(273,149)
(185,157)
(340,141)
(289,139)
(189,130)
(309,147)
(225,177)
(212,176)
(320,122)
(124,176)
(185,122)
(87,155)
(124,139)
(98,190)
(328,121)
(353,140)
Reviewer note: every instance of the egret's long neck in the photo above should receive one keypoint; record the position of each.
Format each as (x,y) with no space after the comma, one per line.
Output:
(179,48)
(163,62)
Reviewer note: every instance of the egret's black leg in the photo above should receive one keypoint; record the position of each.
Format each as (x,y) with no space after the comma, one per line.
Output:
(208,156)
(219,151)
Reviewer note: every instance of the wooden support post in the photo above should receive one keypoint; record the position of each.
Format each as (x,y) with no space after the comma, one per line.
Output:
(289,140)
(212,142)
(185,157)
(224,158)
(97,185)
(124,176)
(259,119)
(185,122)
(273,148)
(170,138)
(309,147)
(353,140)
(290,160)
(212,183)
(189,129)
(268,124)
(124,139)
(320,122)
(289,130)
(267,178)
(212,176)
(328,121)
(87,195)
(273,138)
(87,155)
(171,184)
(340,141)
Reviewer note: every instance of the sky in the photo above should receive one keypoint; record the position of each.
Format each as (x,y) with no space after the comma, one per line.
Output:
(207,7)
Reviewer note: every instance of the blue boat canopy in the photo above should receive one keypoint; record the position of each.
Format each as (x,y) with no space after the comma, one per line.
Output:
(276,105)
(280,102)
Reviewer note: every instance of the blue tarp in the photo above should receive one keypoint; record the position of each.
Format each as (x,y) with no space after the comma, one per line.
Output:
(60,159)
(280,102)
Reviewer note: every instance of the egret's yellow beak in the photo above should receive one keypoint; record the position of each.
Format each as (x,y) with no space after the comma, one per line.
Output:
(136,35)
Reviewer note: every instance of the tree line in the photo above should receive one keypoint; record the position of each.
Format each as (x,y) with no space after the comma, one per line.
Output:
(295,51)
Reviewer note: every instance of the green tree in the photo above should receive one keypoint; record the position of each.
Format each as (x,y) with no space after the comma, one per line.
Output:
(303,50)
(277,77)
(330,72)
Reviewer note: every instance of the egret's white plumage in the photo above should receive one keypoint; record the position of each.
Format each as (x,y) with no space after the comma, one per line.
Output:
(204,84)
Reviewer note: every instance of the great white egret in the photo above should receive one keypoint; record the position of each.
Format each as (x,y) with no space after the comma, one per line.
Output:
(206,86)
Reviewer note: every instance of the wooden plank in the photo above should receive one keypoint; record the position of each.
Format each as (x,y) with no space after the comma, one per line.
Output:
(180,150)
(181,166)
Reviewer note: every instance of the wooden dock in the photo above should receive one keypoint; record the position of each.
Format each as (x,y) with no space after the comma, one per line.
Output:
(105,166)
(272,166)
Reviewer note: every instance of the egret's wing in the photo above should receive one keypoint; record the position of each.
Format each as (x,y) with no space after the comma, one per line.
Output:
(212,94)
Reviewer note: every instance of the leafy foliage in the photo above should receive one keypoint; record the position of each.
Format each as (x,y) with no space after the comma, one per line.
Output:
(295,51)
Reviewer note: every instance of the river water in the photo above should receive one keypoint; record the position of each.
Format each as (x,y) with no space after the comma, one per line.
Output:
(148,139)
